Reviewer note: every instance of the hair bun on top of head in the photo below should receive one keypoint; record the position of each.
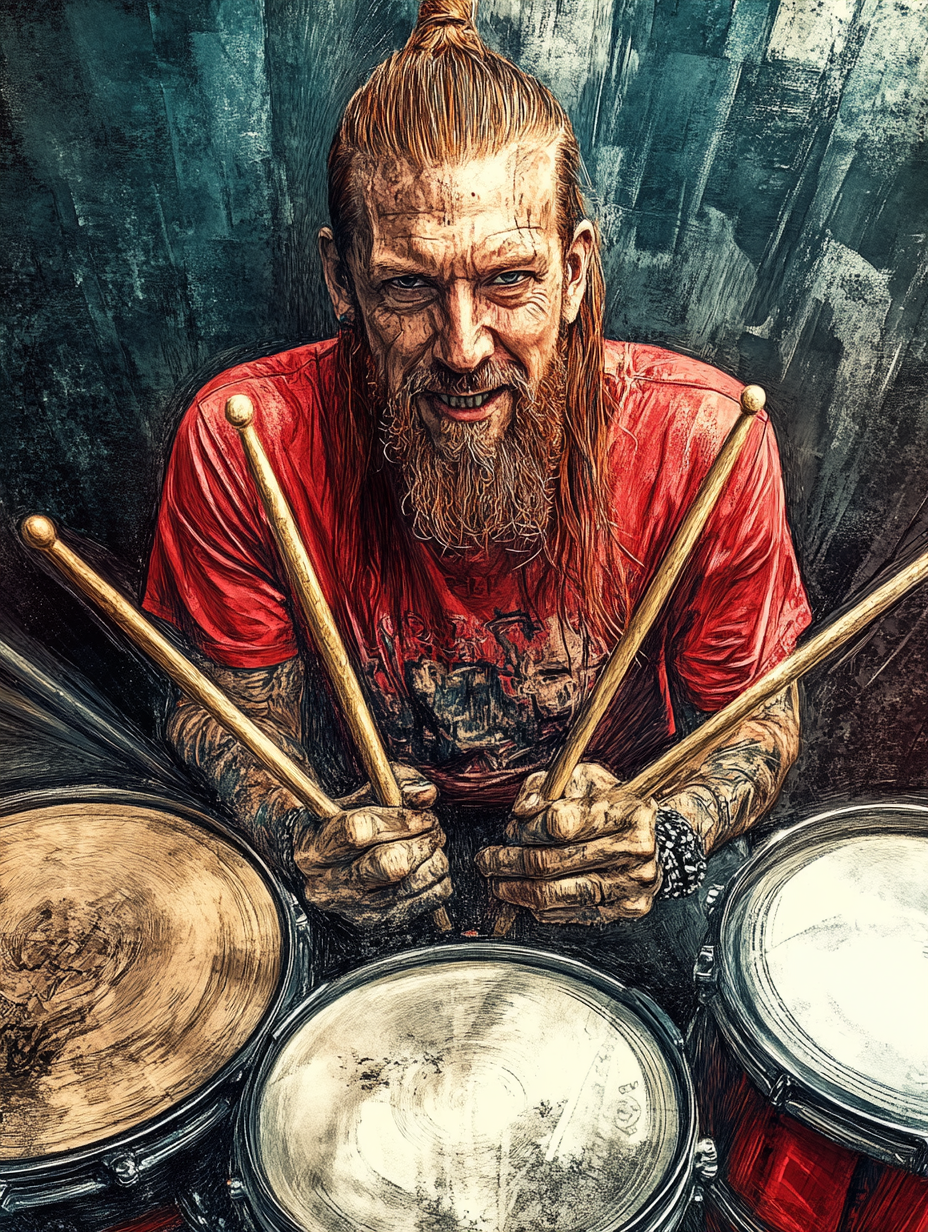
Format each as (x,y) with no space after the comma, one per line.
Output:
(444,21)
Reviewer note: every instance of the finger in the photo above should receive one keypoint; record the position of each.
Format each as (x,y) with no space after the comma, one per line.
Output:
(530,800)
(430,875)
(433,871)
(574,821)
(418,791)
(625,853)
(355,799)
(347,834)
(593,889)
(405,909)
(631,909)
(388,863)
(589,779)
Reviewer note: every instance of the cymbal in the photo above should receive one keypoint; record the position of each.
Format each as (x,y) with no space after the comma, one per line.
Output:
(138,954)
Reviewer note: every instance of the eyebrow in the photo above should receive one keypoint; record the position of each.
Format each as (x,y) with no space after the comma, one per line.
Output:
(398,268)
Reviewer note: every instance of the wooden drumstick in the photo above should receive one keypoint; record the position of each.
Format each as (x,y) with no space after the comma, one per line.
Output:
(41,533)
(240,414)
(642,619)
(660,774)
(694,746)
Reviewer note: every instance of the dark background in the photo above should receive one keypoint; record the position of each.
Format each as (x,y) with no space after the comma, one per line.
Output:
(759,170)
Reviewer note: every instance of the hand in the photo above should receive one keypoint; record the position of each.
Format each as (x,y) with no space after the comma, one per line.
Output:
(587,858)
(374,865)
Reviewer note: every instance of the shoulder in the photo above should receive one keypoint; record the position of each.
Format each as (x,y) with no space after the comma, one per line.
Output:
(670,409)
(659,391)
(286,388)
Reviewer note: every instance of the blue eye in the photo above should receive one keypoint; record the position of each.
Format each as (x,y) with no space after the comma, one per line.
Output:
(510,278)
(408,282)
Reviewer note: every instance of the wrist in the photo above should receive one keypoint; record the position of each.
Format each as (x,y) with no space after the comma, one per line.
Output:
(680,852)
(700,808)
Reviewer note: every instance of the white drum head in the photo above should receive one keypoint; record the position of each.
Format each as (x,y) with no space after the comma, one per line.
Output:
(487,1095)
(825,960)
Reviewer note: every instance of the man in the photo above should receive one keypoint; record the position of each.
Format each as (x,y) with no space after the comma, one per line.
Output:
(485,488)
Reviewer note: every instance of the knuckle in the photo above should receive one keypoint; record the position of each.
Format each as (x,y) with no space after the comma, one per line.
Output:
(360,828)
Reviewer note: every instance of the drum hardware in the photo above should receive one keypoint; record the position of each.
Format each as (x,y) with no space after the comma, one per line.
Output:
(661,586)
(123,1167)
(328,641)
(704,973)
(808,1049)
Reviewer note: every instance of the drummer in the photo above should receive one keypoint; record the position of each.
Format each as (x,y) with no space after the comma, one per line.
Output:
(485,486)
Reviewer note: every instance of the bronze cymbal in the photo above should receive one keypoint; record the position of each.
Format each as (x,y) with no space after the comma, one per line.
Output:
(138,953)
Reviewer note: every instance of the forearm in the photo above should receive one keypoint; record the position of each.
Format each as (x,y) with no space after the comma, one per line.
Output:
(738,779)
(263,809)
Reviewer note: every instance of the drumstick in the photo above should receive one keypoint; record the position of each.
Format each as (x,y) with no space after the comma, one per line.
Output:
(41,533)
(240,414)
(642,619)
(692,747)
(809,655)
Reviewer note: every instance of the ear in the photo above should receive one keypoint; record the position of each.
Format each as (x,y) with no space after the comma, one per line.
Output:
(576,268)
(336,276)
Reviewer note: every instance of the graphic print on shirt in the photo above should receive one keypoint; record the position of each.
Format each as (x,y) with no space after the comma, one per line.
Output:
(483,697)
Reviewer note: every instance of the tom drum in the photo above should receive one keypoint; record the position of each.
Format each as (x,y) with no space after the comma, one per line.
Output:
(144,954)
(477,1086)
(812,1055)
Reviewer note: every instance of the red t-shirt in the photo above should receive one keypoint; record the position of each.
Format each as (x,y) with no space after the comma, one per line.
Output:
(481,697)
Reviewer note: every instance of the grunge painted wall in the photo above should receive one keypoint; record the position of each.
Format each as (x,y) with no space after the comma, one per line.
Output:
(759,169)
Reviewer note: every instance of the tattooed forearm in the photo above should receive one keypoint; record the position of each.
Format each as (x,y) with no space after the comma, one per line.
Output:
(739,779)
(265,811)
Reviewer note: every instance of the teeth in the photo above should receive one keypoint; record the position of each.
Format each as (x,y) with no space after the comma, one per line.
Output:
(470,403)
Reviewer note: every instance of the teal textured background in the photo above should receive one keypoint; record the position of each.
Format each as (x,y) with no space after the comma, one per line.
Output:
(760,173)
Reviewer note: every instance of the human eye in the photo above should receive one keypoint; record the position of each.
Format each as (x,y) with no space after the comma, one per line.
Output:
(510,278)
(407,282)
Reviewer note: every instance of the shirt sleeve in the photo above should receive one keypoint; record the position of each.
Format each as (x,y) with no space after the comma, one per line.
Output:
(742,605)
(213,571)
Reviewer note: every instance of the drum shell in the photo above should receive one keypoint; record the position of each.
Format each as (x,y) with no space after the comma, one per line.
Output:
(794,1158)
(142,1178)
(777,1173)
(663,1213)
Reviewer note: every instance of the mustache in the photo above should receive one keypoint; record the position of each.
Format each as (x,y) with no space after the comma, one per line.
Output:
(436,379)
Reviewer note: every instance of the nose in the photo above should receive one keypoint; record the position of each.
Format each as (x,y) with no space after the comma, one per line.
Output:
(464,341)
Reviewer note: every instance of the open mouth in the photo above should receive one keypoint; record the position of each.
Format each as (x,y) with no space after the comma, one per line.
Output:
(467,406)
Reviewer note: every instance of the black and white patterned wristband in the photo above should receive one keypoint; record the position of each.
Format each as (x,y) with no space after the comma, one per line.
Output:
(681,854)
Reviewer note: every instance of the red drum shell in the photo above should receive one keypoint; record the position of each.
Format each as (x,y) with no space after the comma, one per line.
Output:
(779,1175)
(801,1158)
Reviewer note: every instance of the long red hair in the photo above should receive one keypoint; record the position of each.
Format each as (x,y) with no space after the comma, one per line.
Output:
(445,96)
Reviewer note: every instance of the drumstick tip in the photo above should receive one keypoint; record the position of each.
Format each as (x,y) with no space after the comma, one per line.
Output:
(753,399)
(240,411)
(38,531)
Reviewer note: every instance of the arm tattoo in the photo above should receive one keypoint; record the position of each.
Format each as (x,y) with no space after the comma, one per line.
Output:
(738,780)
(265,811)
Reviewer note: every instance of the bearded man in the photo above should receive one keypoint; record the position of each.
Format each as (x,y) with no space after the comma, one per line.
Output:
(485,487)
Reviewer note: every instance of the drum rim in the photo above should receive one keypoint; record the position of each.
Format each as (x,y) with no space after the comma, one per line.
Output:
(249,1181)
(21,1175)
(775,1071)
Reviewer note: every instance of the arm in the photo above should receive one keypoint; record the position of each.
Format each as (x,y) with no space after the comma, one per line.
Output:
(739,779)
(265,811)
(591,856)
(369,865)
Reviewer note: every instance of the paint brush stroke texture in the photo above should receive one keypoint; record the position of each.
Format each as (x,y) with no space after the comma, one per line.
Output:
(761,175)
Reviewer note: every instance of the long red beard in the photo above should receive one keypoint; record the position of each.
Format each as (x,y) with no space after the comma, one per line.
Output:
(467,489)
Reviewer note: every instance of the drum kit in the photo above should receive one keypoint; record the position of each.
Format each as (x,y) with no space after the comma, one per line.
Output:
(166,1065)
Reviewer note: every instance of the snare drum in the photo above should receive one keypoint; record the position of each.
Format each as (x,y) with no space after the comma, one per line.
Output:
(812,1060)
(477,1086)
(144,953)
